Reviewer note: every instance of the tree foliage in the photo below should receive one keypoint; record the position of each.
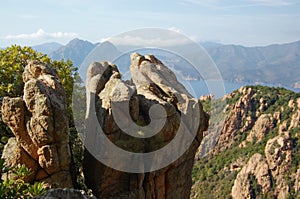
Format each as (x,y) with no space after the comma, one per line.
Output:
(12,63)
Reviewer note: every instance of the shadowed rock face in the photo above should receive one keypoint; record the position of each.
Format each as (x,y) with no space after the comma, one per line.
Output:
(135,102)
(40,124)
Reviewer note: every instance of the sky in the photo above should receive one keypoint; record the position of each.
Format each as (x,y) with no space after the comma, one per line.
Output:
(242,22)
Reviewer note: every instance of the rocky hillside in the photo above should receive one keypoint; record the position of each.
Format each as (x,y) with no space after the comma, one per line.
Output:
(257,154)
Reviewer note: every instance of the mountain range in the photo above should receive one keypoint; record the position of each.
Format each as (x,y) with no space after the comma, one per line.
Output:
(76,50)
(276,64)
(47,48)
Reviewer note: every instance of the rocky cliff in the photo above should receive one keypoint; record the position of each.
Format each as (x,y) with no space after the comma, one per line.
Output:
(142,128)
(40,124)
(257,152)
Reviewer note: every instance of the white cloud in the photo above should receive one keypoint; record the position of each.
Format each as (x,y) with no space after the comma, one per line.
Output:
(149,42)
(104,39)
(153,37)
(175,29)
(150,37)
(41,34)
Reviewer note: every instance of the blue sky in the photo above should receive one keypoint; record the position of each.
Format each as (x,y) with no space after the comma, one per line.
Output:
(245,22)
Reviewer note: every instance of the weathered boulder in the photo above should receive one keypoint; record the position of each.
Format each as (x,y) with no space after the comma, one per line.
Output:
(138,103)
(261,128)
(256,170)
(40,124)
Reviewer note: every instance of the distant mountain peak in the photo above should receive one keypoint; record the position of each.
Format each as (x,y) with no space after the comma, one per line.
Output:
(76,50)
(107,43)
(77,41)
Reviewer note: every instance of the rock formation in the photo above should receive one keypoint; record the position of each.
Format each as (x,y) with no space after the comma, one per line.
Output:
(152,84)
(295,121)
(278,153)
(262,126)
(40,124)
(277,161)
(238,120)
(258,168)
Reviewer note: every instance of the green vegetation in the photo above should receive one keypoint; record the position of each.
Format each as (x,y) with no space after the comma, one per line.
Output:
(18,188)
(236,96)
(13,61)
(275,98)
(207,105)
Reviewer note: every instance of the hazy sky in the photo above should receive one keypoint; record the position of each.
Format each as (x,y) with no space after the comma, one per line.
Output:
(245,22)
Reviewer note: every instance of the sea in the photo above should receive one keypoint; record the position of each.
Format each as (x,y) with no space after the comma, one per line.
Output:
(220,88)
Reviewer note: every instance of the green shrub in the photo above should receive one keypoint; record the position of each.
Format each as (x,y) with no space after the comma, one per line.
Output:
(17,187)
